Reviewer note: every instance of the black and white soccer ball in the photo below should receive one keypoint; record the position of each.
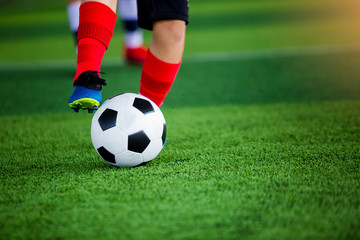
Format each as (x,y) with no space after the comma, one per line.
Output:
(128,130)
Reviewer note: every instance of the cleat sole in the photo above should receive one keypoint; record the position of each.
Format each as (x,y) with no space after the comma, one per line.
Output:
(85,103)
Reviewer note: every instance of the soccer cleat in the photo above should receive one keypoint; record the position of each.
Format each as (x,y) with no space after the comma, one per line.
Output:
(135,56)
(87,92)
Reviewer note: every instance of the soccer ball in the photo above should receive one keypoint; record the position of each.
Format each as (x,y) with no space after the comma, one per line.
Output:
(128,130)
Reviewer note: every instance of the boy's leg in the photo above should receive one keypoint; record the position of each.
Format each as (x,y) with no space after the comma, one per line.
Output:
(163,60)
(167,20)
(168,40)
(134,49)
(96,25)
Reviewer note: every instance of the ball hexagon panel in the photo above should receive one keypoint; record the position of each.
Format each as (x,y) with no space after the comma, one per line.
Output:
(153,126)
(106,155)
(114,140)
(152,150)
(120,101)
(96,134)
(128,159)
(138,142)
(130,120)
(143,105)
(108,119)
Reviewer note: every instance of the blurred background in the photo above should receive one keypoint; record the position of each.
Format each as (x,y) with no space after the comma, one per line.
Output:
(35,29)
(245,51)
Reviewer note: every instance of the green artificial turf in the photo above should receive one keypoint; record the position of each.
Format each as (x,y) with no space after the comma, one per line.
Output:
(259,145)
(281,171)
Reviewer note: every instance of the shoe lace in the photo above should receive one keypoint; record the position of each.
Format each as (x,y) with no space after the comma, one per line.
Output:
(91,80)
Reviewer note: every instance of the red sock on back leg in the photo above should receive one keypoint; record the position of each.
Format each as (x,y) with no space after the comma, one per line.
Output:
(96,26)
(157,78)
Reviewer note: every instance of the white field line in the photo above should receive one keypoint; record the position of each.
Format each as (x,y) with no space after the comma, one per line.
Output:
(270,53)
(195,58)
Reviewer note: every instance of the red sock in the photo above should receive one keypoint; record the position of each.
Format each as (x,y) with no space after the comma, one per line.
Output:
(157,78)
(96,26)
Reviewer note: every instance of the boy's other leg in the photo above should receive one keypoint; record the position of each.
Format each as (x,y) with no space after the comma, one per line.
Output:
(96,25)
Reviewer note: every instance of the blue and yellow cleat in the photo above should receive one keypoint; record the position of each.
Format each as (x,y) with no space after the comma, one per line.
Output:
(87,92)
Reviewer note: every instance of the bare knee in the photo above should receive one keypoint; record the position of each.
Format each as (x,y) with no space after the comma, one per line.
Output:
(169,31)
